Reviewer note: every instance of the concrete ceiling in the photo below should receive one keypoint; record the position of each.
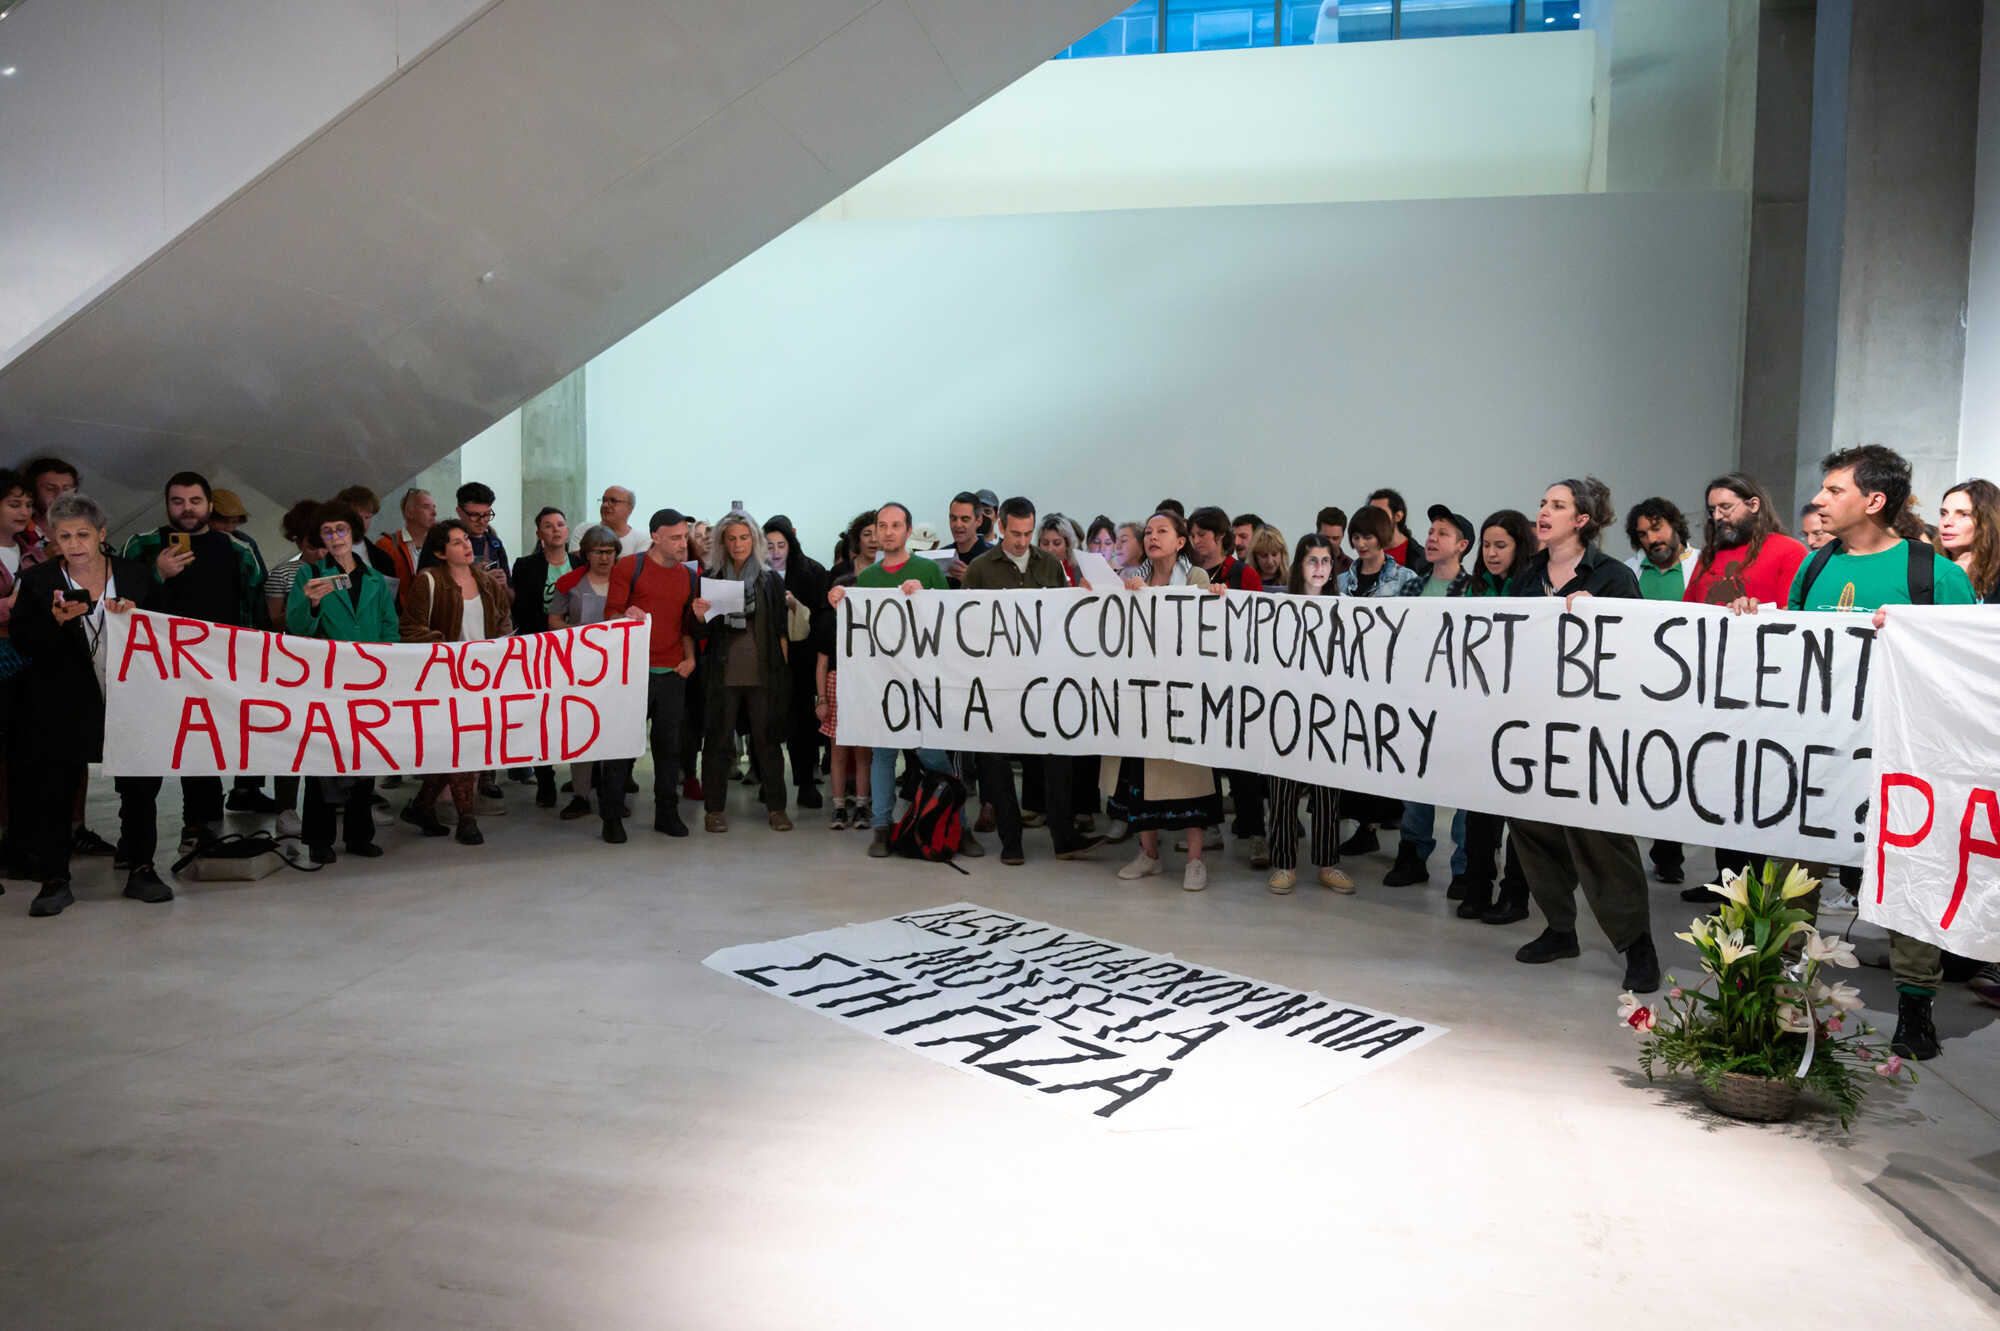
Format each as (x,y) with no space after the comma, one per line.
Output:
(554,175)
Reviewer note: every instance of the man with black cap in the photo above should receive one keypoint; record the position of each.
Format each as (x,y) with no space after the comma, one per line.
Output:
(805,585)
(655,585)
(989,512)
(1445,548)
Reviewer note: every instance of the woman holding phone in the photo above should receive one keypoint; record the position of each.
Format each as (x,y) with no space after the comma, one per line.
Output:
(451,600)
(59,625)
(341,598)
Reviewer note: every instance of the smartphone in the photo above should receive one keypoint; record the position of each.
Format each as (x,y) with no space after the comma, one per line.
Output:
(77,596)
(181,542)
(342,581)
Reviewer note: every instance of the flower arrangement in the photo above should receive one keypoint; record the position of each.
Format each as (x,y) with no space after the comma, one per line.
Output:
(1762,1011)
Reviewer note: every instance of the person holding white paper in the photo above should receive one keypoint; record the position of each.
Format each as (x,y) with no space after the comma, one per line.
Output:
(745,650)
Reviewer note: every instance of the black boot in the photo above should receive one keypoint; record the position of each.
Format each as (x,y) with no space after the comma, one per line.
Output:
(1549,945)
(53,899)
(1476,899)
(545,788)
(1459,882)
(667,818)
(1362,842)
(1512,907)
(614,831)
(1408,868)
(1642,967)
(1916,1034)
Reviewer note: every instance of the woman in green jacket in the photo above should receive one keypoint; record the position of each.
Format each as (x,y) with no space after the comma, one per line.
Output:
(342,598)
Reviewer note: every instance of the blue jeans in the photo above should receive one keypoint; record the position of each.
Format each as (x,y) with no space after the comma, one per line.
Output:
(882,780)
(1417,828)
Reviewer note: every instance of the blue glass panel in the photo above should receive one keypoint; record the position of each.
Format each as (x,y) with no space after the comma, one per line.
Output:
(1219,25)
(1134,32)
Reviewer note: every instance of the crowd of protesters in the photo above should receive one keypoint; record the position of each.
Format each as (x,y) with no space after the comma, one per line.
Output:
(750,695)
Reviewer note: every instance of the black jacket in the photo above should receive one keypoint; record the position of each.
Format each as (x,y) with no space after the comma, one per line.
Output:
(1596,573)
(530,580)
(62,713)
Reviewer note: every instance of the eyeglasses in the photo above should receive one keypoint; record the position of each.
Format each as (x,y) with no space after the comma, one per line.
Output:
(476,512)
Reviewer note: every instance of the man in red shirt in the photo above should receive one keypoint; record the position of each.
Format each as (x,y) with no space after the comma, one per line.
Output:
(656,585)
(1745,552)
(1745,556)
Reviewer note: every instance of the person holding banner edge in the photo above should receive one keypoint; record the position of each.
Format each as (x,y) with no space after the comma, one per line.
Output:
(1969,532)
(1867,567)
(1556,858)
(343,599)
(59,623)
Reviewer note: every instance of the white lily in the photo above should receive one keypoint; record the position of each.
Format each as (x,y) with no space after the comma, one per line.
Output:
(1844,996)
(1797,883)
(1733,887)
(1830,951)
(1732,948)
(1792,1017)
(1698,932)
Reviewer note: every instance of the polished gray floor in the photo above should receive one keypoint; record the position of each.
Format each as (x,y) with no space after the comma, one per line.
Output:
(495,1088)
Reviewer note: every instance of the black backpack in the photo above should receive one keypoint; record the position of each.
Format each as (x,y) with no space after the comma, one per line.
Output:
(1923,573)
(934,826)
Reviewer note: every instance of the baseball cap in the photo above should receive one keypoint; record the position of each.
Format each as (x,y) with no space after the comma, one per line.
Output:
(226,504)
(1458,520)
(987,499)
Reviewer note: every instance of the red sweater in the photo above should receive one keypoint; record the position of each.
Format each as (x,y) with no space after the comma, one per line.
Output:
(663,593)
(1769,579)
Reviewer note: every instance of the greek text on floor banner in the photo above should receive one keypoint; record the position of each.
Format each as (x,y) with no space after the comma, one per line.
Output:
(1136,1039)
(1933,866)
(190,698)
(1666,720)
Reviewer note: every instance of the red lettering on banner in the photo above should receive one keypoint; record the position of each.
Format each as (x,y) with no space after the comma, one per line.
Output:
(570,750)
(142,627)
(381,670)
(233,631)
(359,730)
(586,638)
(544,724)
(1884,838)
(508,757)
(440,651)
(627,627)
(416,706)
(318,722)
(516,653)
(467,660)
(205,725)
(179,645)
(332,651)
(264,665)
(483,727)
(246,726)
(305,667)
(1968,843)
(559,648)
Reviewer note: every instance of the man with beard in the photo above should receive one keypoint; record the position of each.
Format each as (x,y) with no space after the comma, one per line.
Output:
(1658,531)
(1745,551)
(205,575)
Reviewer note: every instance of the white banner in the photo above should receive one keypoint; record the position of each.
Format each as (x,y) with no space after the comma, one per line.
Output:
(1657,718)
(1933,867)
(190,698)
(1136,1038)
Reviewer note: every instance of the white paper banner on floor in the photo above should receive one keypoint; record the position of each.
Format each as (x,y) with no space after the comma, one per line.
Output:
(1666,720)
(1933,867)
(190,698)
(1137,1038)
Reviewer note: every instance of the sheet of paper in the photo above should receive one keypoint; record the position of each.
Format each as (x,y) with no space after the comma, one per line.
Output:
(1094,571)
(942,555)
(724,596)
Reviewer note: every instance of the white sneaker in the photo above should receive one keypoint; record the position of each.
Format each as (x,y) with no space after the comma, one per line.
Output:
(1196,878)
(289,824)
(1142,866)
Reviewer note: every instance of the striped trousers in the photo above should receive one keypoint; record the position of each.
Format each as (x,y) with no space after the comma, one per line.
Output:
(1324,802)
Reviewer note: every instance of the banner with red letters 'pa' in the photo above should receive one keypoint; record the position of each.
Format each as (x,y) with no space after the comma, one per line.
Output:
(1933,869)
(188,698)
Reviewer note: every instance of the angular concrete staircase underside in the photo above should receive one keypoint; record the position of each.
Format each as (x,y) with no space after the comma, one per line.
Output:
(551,177)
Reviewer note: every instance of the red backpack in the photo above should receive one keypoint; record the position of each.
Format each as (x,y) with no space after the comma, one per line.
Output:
(934,827)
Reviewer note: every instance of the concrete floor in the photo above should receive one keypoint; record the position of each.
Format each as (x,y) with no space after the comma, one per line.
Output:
(495,1088)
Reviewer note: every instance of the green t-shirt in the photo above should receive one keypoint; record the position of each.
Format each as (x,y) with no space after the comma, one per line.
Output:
(923,570)
(1662,584)
(1866,582)
(1435,586)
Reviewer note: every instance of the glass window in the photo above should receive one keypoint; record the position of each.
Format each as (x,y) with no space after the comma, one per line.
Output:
(1456,18)
(1554,15)
(1134,32)
(1219,25)
(1324,21)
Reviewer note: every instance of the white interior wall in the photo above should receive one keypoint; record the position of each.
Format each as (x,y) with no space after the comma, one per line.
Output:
(1979,412)
(1279,358)
(1454,117)
(126,121)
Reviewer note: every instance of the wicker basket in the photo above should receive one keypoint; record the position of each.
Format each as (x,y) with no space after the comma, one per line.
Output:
(1758,1099)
